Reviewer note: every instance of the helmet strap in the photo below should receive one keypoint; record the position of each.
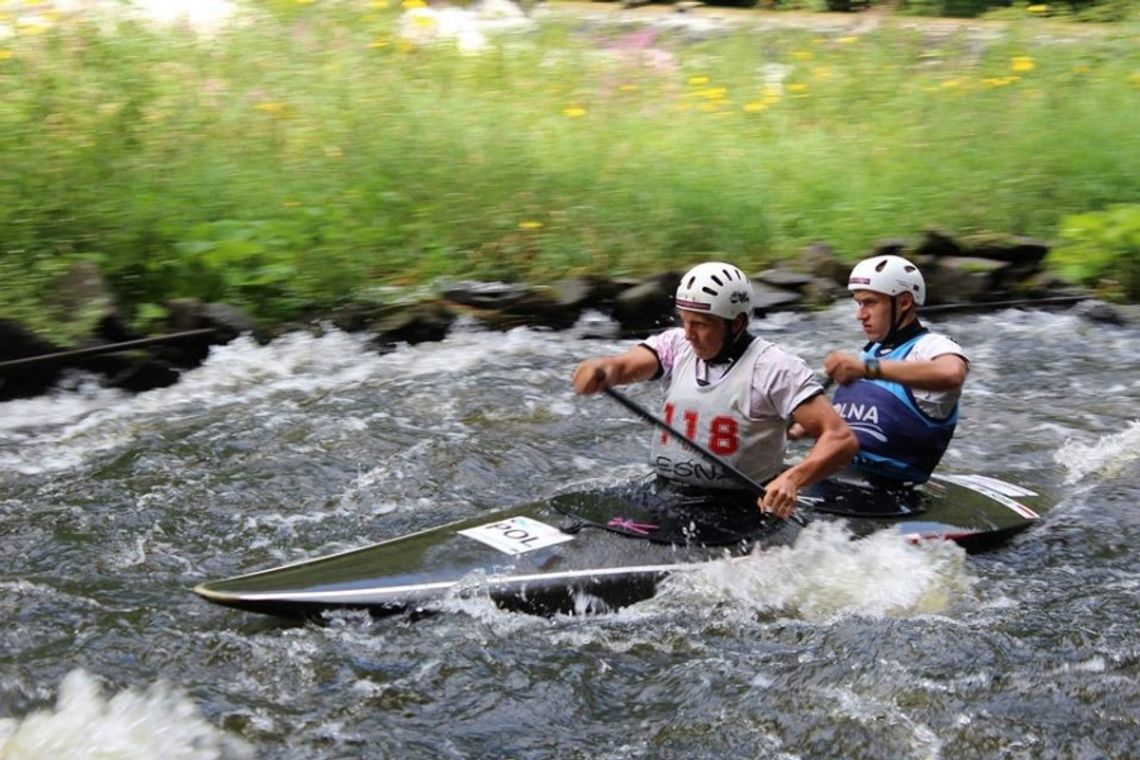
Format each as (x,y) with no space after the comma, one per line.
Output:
(734,345)
(895,334)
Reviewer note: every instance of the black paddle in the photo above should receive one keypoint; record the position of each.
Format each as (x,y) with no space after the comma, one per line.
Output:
(736,474)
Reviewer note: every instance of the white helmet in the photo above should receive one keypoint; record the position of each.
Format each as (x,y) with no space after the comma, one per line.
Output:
(890,275)
(715,288)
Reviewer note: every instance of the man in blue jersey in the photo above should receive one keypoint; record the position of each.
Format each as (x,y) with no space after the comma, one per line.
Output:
(731,391)
(900,394)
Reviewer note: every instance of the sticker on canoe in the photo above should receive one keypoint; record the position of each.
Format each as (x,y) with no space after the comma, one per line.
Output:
(517,535)
(998,490)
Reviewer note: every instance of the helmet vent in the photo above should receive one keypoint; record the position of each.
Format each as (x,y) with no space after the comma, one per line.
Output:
(881,265)
(709,290)
(717,280)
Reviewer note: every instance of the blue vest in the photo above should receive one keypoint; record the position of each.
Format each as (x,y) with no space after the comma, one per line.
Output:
(897,439)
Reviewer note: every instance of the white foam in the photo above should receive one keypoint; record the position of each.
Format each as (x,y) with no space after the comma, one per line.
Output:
(1107,457)
(826,574)
(69,426)
(160,722)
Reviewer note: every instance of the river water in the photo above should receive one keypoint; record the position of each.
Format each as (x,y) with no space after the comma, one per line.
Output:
(112,507)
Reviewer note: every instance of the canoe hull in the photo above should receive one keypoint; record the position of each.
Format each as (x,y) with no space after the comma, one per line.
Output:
(600,551)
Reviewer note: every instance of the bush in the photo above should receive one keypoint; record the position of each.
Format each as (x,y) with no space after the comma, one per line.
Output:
(1102,248)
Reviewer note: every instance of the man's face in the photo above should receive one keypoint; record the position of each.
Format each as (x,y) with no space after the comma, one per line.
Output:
(873,310)
(705,333)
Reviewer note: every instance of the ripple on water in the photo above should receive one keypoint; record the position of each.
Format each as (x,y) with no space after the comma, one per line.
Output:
(114,506)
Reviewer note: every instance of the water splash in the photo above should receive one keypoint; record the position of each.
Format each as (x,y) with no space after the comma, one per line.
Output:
(158,722)
(1107,457)
(826,573)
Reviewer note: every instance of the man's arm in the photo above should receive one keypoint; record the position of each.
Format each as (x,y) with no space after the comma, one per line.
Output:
(600,372)
(834,447)
(942,373)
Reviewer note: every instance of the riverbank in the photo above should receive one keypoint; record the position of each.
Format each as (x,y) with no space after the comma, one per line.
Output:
(298,166)
(963,275)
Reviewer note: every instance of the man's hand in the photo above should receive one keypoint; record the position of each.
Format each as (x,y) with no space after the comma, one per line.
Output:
(796,431)
(844,368)
(780,495)
(594,375)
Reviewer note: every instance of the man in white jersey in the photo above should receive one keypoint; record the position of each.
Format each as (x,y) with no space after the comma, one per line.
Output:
(900,395)
(732,392)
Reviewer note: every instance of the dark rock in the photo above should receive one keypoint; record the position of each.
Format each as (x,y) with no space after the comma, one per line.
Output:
(24,380)
(959,279)
(1012,248)
(822,292)
(784,278)
(357,317)
(228,322)
(486,295)
(888,247)
(819,260)
(112,328)
(1101,312)
(540,308)
(413,323)
(587,292)
(144,375)
(766,298)
(646,307)
(186,314)
(937,244)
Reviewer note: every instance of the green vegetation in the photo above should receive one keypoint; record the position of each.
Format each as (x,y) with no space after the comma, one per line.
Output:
(302,158)
(1102,248)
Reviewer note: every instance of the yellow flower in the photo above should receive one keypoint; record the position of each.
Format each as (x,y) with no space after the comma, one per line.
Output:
(821,72)
(802,55)
(379,42)
(798,88)
(409,4)
(290,204)
(270,107)
(697,81)
(755,106)
(1038,8)
(574,112)
(530,224)
(951,84)
(714,93)
(1021,63)
(628,88)
(5,55)
(849,39)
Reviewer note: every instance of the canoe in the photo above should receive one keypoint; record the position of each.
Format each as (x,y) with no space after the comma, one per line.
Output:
(596,551)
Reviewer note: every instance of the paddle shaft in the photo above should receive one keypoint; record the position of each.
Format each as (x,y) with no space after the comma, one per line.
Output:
(648,416)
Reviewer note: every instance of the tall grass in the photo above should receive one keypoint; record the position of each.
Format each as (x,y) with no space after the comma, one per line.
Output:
(304,157)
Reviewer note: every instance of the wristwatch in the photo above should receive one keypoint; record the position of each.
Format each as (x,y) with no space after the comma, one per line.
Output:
(872,369)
